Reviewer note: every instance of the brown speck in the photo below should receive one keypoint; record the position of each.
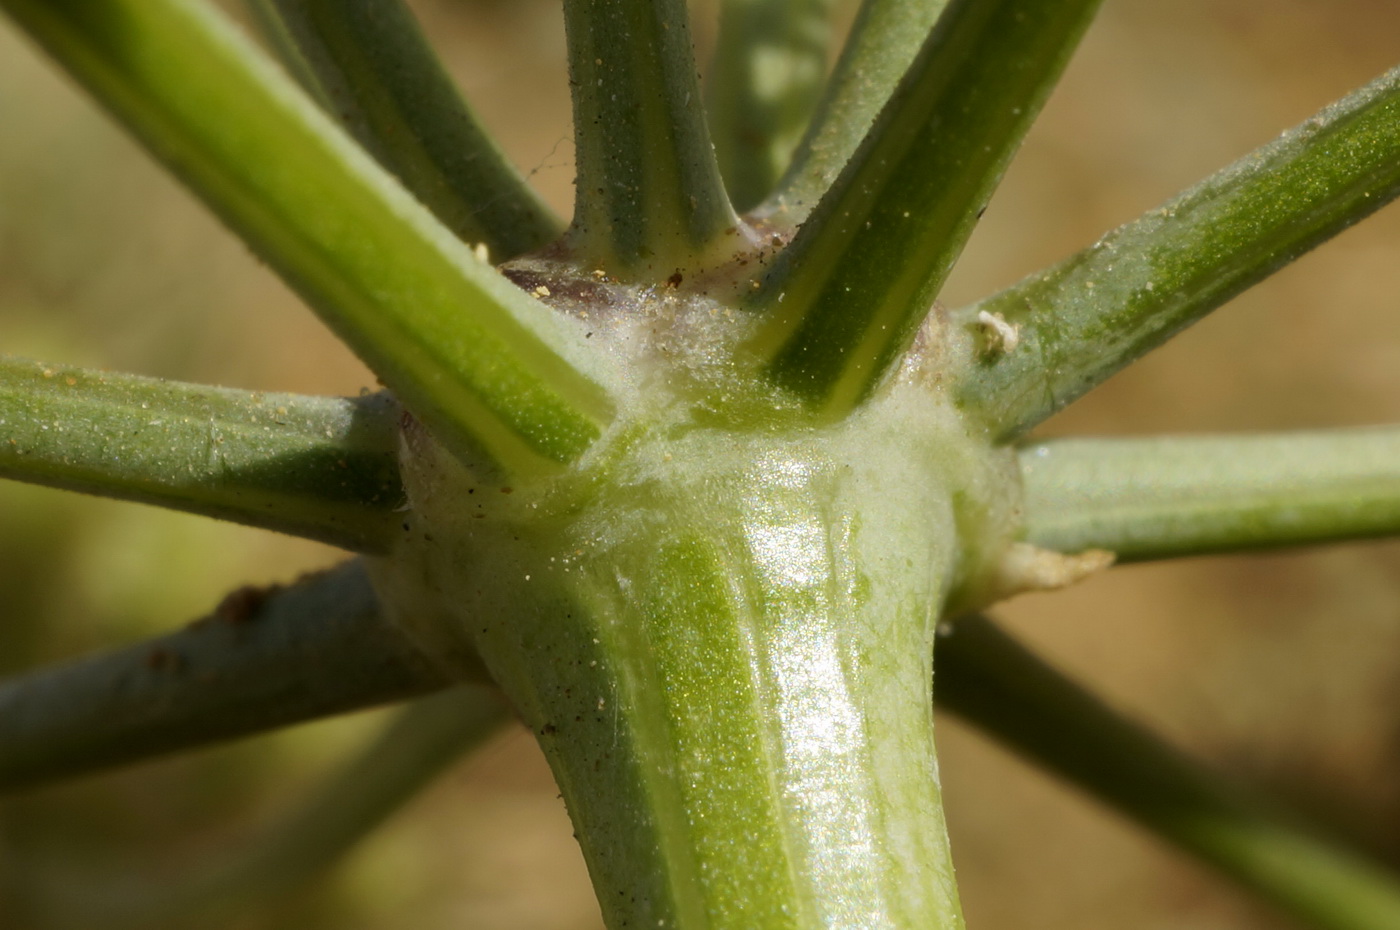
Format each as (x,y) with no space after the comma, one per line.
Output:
(507,490)
(548,729)
(240,605)
(674,280)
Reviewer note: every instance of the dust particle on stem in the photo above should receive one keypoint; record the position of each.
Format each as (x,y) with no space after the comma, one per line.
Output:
(999,337)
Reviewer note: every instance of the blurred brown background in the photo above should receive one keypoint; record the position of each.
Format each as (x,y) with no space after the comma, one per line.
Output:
(1285,668)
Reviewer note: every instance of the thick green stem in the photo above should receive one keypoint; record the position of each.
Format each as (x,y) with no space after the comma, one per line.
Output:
(494,372)
(719,639)
(265,658)
(845,298)
(369,62)
(884,40)
(650,199)
(1187,495)
(770,60)
(414,749)
(1085,318)
(986,677)
(319,467)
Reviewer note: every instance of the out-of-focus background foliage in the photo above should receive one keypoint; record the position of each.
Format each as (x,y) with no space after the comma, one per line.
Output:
(1285,668)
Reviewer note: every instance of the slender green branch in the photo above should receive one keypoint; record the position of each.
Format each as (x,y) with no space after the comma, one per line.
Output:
(1085,318)
(416,747)
(988,678)
(378,75)
(1185,495)
(320,467)
(846,296)
(883,42)
(649,189)
(490,370)
(263,659)
(770,61)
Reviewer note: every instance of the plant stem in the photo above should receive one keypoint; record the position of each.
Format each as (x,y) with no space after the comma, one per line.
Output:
(844,299)
(368,60)
(649,194)
(884,39)
(1187,495)
(986,677)
(491,371)
(319,467)
(263,659)
(724,646)
(414,749)
(1085,318)
(770,60)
